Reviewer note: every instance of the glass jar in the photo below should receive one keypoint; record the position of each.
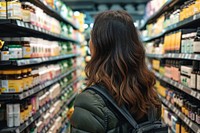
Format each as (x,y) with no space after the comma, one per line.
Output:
(11,81)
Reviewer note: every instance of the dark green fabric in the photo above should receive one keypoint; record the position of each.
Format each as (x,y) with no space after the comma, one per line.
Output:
(91,115)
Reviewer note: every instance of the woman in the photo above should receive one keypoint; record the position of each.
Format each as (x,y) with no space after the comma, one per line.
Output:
(117,63)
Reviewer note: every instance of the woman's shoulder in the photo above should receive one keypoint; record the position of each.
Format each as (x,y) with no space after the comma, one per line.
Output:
(89,100)
(89,112)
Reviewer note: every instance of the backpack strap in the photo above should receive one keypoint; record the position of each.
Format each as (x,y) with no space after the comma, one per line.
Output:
(152,112)
(122,110)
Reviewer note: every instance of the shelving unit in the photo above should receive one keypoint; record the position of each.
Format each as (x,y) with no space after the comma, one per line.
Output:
(30,120)
(26,29)
(176,26)
(68,77)
(52,12)
(35,61)
(191,124)
(175,56)
(172,60)
(165,7)
(179,86)
(34,90)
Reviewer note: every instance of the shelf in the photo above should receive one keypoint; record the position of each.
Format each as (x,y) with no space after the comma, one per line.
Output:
(23,29)
(183,56)
(70,84)
(163,9)
(34,61)
(175,56)
(157,56)
(191,124)
(38,114)
(179,86)
(52,12)
(29,121)
(173,27)
(34,90)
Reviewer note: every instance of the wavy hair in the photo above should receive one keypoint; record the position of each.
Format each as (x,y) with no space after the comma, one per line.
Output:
(118,62)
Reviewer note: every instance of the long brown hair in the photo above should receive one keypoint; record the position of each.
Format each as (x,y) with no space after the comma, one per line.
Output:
(118,61)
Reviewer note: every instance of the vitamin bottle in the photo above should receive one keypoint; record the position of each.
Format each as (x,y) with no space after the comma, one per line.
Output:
(193,81)
(11,81)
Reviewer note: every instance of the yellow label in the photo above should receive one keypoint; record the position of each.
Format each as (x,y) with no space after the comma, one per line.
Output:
(27,114)
(2,4)
(21,117)
(177,128)
(30,109)
(30,81)
(26,83)
(11,86)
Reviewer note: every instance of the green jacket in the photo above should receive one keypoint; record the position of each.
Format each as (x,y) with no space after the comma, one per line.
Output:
(91,115)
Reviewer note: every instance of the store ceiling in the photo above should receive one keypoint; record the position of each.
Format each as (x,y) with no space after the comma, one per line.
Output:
(91,7)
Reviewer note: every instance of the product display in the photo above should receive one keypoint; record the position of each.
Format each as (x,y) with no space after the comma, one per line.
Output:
(171,39)
(177,14)
(40,61)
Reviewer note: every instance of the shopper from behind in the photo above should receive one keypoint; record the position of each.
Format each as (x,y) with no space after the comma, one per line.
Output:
(117,65)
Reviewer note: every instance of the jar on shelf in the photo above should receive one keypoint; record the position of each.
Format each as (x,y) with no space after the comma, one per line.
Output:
(11,81)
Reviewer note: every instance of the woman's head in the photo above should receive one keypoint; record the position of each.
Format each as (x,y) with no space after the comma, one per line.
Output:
(118,62)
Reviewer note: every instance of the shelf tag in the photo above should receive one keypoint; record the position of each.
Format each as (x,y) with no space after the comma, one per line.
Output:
(21,96)
(190,125)
(179,113)
(22,24)
(194,17)
(18,23)
(17,130)
(26,123)
(170,105)
(198,96)
(32,119)
(185,119)
(193,93)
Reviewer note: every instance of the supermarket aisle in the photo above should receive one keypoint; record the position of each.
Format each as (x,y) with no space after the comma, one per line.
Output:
(40,65)
(43,52)
(171,37)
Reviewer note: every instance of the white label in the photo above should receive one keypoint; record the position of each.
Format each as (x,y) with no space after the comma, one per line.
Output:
(13,52)
(4,86)
(193,81)
(198,82)
(196,46)
(5,55)
(16,119)
(10,122)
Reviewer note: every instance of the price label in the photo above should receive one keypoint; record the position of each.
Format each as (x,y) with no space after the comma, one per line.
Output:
(170,105)
(190,125)
(198,96)
(21,96)
(193,93)
(185,120)
(188,121)
(196,56)
(27,123)
(194,17)
(177,112)
(32,119)
(22,24)
(17,130)
(26,25)
(18,23)
(174,110)
(190,56)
